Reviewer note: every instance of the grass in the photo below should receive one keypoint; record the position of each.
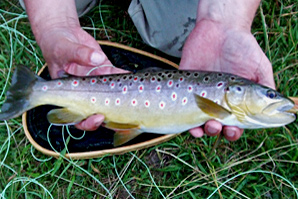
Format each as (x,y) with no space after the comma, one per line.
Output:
(262,164)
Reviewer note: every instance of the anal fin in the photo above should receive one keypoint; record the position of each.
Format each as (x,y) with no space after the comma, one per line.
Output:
(124,136)
(120,126)
(64,116)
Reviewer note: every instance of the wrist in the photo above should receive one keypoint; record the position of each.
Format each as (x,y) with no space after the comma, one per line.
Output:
(45,16)
(237,14)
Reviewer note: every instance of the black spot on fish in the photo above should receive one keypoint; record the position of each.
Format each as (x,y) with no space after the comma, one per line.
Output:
(163,76)
(158,79)
(124,77)
(118,80)
(120,84)
(188,74)
(227,89)
(130,77)
(180,72)
(174,71)
(159,74)
(177,85)
(146,74)
(170,75)
(130,84)
(219,74)
(110,79)
(166,72)
(83,78)
(198,84)
(232,78)
(142,79)
(196,74)
(206,79)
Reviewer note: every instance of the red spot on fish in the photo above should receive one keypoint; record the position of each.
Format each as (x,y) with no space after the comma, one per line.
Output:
(203,93)
(105,80)
(44,88)
(59,83)
(93,99)
(112,85)
(170,83)
(141,88)
(135,79)
(190,89)
(93,81)
(75,83)
(181,79)
(158,88)
(117,102)
(184,100)
(162,105)
(124,89)
(107,101)
(147,103)
(153,79)
(219,84)
(134,102)
(174,96)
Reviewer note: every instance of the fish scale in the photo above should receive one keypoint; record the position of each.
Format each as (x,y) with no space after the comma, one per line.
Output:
(158,102)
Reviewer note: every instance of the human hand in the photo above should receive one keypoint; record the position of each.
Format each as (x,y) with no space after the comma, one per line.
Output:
(216,46)
(65,46)
(74,51)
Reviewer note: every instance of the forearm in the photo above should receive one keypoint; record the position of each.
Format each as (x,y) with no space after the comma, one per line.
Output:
(236,13)
(46,14)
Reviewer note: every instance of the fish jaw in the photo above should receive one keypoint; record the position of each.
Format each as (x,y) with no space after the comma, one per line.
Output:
(280,113)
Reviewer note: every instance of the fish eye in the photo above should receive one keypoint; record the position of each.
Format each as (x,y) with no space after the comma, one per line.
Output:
(271,94)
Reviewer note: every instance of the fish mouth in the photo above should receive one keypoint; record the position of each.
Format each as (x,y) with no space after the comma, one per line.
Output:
(292,110)
(280,108)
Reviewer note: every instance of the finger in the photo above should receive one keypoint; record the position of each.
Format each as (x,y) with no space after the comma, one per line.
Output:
(265,75)
(81,54)
(232,133)
(197,132)
(212,128)
(91,123)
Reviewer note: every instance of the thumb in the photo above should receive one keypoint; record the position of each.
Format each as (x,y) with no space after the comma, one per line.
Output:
(83,55)
(265,73)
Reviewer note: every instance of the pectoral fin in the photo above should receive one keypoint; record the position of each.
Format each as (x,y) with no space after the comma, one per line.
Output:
(64,116)
(211,108)
(121,137)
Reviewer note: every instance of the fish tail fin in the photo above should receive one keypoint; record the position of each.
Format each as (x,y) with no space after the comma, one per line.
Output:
(17,97)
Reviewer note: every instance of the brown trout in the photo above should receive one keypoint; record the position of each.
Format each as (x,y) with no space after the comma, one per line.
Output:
(161,102)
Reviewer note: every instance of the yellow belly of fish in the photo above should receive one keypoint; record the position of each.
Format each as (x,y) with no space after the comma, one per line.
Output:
(155,119)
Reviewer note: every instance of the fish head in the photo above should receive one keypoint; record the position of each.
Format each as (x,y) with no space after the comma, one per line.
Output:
(258,106)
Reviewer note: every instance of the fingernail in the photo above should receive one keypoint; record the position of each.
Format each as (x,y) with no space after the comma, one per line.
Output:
(98,121)
(230,133)
(97,58)
(212,130)
(62,73)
